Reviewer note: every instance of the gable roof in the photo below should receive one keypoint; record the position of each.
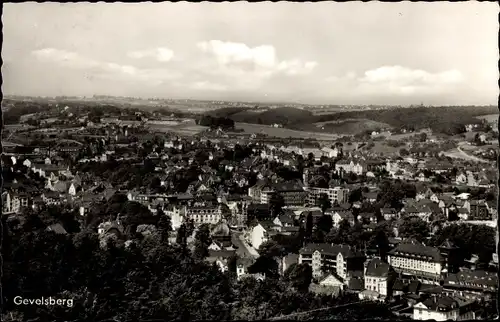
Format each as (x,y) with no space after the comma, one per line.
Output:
(444,303)
(286,218)
(220,253)
(376,267)
(355,284)
(477,279)
(399,286)
(57,228)
(412,249)
(333,250)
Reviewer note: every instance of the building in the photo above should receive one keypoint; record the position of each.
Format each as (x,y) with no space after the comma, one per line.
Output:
(254,192)
(220,258)
(412,259)
(451,257)
(443,308)
(472,285)
(349,166)
(478,210)
(339,215)
(261,233)
(338,259)
(379,277)
(335,195)
(14,202)
(50,170)
(293,193)
(242,265)
(238,208)
(202,213)
(331,153)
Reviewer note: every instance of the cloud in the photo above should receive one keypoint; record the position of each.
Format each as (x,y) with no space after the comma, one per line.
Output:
(161,54)
(65,58)
(106,70)
(236,59)
(406,81)
(207,86)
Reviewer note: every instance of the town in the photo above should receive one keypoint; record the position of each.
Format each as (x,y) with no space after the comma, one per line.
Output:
(239,161)
(86,188)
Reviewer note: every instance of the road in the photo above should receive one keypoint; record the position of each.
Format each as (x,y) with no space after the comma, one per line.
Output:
(471,157)
(461,154)
(244,250)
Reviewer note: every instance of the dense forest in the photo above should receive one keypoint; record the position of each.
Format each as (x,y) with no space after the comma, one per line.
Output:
(216,122)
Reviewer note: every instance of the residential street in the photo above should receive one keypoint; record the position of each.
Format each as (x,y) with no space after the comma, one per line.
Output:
(244,250)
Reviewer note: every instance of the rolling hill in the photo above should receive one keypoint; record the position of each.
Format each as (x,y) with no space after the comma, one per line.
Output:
(280,115)
(446,119)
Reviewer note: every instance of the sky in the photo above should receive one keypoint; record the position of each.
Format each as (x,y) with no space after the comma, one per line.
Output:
(318,53)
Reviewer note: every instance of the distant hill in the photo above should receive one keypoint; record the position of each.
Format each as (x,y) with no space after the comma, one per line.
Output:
(280,115)
(226,111)
(440,119)
(447,120)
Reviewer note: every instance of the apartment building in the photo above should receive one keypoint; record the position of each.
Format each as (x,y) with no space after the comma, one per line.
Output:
(412,258)
(328,258)
(477,285)
(204,213)
(293,192)
(335,195)
(349,166)
(13,202)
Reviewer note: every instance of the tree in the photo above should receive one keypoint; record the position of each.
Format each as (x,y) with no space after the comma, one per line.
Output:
(202,241)
(181,238)
(380,240)
(264,265)
(342,235)
(403,152)
(309,226)
(318,236)
(300,276)
(164,225)
(324,202)
(276,204)
(325,223)
(355,195)
(414,228)
(155,184)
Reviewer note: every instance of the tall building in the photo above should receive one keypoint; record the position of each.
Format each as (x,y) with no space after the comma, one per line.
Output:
(328,258)
(412,259)
(335,195)
(293,193)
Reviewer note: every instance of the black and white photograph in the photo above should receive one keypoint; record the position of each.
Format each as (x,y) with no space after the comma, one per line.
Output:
(240,161)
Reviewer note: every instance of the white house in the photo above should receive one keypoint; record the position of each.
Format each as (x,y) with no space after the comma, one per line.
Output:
(378,276)
(444,308)
(27,163)
(330,153)
(176,215)
(331,280)
(258,236)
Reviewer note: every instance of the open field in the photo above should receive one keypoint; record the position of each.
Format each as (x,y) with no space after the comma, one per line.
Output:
(490,118)
(282,132)
(464,151)
(350,126)
(186,127)
(381,147)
